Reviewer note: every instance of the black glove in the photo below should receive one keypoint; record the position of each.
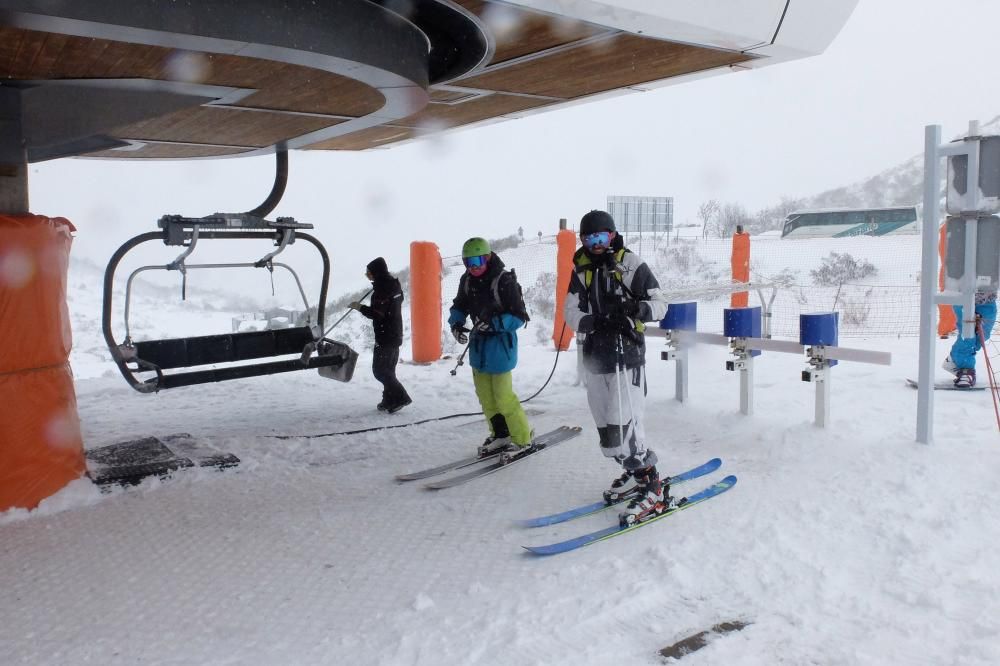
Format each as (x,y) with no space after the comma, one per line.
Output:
(632,308)
(484,326)
(486,315)
(624,324)
(605,323)
(460,333)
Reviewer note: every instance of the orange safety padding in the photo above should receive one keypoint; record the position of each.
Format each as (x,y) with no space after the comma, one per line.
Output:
(41,449)
(425,301)
(740,260)
(566,241)
(34,259)
(946,313)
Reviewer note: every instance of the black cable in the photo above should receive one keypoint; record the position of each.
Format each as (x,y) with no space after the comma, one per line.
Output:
(430,420)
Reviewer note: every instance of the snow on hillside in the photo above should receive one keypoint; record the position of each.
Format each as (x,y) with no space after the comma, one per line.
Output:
(901,185)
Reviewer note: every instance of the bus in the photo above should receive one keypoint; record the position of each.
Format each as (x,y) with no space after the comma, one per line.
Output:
(843,222)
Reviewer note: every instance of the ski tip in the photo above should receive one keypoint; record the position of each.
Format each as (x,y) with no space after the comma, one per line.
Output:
(729,481)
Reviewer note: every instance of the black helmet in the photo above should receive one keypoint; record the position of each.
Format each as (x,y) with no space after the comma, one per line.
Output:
(596,220)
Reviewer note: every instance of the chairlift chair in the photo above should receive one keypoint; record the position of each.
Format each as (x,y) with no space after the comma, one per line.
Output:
(334,360)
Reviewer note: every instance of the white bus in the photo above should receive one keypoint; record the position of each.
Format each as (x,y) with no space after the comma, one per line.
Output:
(843,222)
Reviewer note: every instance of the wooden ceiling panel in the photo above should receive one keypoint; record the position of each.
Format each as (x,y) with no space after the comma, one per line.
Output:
(539,60)
(444,116)
(374,137)
(29,55)
(224,126)
(617,62)
(162,151)
(285,87)
(518,32)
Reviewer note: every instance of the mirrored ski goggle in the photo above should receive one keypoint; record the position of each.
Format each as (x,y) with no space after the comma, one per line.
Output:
(597,238)
(475,262)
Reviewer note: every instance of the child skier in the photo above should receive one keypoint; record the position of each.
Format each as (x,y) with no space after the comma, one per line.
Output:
(492,297)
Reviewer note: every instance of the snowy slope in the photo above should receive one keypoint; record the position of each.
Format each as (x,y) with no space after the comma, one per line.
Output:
(850,545)
(901,185)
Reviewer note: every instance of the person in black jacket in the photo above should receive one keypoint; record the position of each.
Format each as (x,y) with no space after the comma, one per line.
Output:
(612,293)
(387,320)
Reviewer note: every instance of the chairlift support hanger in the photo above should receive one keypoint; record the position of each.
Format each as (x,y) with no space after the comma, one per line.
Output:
(158,355)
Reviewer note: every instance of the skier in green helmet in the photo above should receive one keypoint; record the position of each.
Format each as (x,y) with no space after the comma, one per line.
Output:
(491,297)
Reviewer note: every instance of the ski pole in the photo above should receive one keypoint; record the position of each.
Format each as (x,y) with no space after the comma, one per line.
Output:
(461,358)
(349,311)
(619,362)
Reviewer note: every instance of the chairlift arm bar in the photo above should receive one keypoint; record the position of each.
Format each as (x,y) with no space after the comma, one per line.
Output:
(324,288)
(221,221)
(287,236)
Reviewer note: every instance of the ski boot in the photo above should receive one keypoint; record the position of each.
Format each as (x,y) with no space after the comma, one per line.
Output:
(621,487)
(966,378)
(652,498)
(392,409)
(949,365)
(515,450)
(493,445)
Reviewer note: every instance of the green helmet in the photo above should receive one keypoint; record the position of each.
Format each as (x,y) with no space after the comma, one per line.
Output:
(476,247)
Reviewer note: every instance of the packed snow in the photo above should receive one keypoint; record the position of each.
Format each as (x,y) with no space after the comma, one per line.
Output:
(846,545)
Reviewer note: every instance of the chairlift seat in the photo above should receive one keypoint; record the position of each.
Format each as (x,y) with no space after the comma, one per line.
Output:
(193,354)
(223,348)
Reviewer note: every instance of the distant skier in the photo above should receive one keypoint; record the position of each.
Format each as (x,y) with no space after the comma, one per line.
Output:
(962,360)
(615,293)
(491,296)
(387,320)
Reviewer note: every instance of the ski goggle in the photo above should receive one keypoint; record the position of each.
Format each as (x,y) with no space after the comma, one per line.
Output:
(602,238)
(475,262)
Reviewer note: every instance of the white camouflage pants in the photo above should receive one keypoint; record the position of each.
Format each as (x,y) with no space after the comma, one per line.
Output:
(602,396)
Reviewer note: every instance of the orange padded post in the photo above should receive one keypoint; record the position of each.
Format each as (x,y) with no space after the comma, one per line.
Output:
(946,313)
(41,449)
(740,260)
(566,241)
(425,301)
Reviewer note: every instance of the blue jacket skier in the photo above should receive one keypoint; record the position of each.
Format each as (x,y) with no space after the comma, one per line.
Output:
(962,359)
(492,298)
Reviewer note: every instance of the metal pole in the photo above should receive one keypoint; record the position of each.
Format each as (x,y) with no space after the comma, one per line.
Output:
(928,282)
(461,358)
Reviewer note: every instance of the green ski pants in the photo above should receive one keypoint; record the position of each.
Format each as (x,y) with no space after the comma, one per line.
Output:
(496,395)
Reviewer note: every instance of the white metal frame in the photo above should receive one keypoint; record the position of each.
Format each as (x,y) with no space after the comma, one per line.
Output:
(818,356)
(966,295)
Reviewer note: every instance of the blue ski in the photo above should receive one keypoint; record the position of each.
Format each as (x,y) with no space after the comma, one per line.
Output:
(615,530)
(601,505)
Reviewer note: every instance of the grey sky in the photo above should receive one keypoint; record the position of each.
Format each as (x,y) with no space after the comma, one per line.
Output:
(793,129)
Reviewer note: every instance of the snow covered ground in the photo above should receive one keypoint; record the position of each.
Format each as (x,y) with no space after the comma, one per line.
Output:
(850,545)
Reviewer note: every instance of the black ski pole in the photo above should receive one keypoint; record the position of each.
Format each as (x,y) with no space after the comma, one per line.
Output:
(461,358)
(349,311)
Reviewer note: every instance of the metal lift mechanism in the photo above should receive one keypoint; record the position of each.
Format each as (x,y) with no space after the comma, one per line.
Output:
(335,360)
